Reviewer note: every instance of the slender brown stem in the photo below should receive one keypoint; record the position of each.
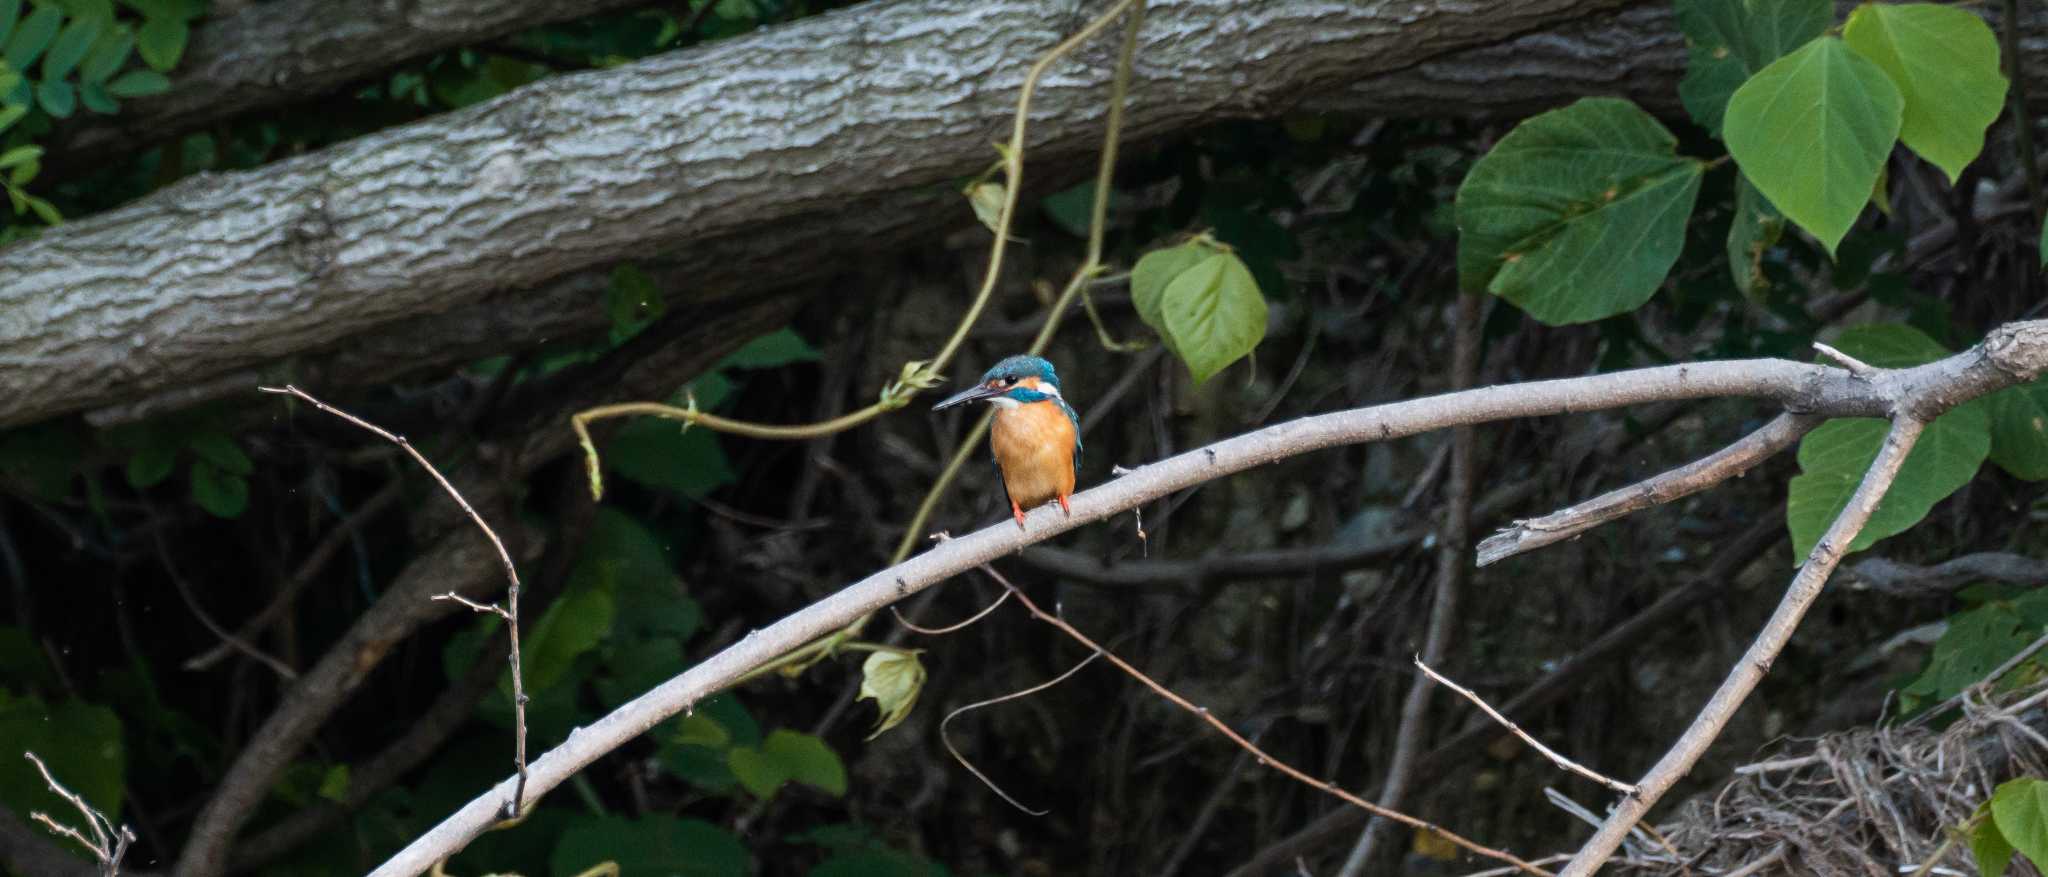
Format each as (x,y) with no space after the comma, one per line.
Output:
(1265,759)
(510,613)
(920,375)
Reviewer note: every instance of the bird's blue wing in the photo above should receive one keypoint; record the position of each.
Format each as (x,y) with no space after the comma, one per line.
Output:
(1074,419)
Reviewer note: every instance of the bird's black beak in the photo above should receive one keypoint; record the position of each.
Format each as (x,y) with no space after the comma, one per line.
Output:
(975,393)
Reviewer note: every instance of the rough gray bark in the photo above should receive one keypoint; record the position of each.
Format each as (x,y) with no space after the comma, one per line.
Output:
(753,162)
(224,271)
(270,54)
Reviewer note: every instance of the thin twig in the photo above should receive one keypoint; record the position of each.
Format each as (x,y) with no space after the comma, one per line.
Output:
(1805,587)
(288,593)
(1889,576)
(941,631)
(1534,743)
(517,804)
(948,741)
(108,844)
(1264,759)
(1855,366)
(227,637)
(1782,432)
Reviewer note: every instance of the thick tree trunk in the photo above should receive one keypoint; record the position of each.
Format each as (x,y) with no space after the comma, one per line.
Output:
(750,162)
(271,54)
(224,271)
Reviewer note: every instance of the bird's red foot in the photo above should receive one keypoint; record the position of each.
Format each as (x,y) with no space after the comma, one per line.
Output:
(1018,511)
(1066,508)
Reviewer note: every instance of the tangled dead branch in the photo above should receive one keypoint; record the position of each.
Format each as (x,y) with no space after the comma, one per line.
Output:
(1883,800)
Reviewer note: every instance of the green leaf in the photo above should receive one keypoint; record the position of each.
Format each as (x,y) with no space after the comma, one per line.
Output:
(223,494)
(574,625)
(98,10)
(161,42)
(151,464)
(728,711)
(700,766)
(626,559)
(138,83)
(696,730)
(81,744)
(2020,807)
(1889,345)
(1074,208)
(1577,214)
(893,680)
(1155,271)
(1755,229)
(177,10)
(1728,41)
(97,99)
(661,454)
(70,47)
(109,53)
(43,209)
(1976,642)
(10,12)
(1214,314)
(32,37)
(1944,61)
(987,199)
(633,301)
(787,756)
(20,155)
(11,114)
(220,449)
(778,348)
(334,783)
(1834,457)
(1989,846)
(2019,429)
(57,97)
(651,845)
(876,863)
(1812,130)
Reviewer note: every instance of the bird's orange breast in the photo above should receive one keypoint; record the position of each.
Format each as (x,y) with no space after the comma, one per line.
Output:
(1034,447)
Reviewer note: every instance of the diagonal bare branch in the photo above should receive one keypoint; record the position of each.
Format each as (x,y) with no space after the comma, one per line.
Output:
(1782,432)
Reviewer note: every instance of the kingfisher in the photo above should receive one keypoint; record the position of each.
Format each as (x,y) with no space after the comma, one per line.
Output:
(1036,438)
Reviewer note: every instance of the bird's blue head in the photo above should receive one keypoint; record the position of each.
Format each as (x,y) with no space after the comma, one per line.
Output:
(1017,380)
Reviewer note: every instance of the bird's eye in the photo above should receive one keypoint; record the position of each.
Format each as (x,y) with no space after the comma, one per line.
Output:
(1010,381)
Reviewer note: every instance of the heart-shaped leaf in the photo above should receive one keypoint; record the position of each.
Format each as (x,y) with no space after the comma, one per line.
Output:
(1577,214)
(1812,131)
(1944,60)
